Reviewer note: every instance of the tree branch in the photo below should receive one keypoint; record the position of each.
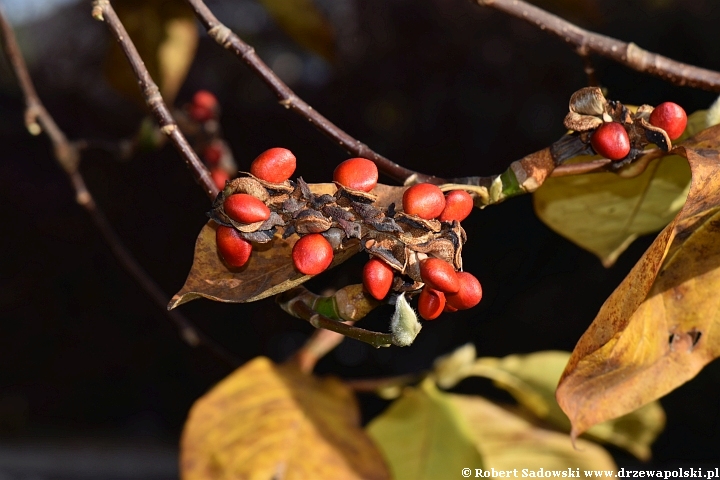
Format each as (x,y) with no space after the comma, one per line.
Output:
(628,54)
(287,98)
(38,119)
(103,11)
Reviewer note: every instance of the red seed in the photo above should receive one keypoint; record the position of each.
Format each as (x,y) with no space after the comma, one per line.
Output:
(219,177)
(377,278)
(458,205)
(611,141)
(213,153)
(357,174)
(204,106)
(245,208)
(312,254)
(470,292)
(206,99)
(430,303)
(671,117)
(424,200)
(440,275)
(233,249)
(449,308)
(275,165)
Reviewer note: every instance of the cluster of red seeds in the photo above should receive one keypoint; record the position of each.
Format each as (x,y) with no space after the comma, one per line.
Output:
(204,109)
(444,290)
(611,140)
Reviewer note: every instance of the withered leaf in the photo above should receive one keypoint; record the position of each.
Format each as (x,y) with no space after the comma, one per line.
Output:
(270,269)
(268,421)
(659,328)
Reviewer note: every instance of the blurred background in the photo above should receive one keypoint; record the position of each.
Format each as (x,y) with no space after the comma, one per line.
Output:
(95,381)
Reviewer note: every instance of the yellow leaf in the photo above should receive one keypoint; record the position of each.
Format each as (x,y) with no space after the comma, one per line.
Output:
(165,34)
(266,421)
(540,372)
(507,442)
(660,326)
(270,270)
(423,436)
(305,24)
(603,213)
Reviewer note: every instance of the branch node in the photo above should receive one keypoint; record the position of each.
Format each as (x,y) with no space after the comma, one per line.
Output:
(97,10)
(168,129)
(637,55)
(221,34)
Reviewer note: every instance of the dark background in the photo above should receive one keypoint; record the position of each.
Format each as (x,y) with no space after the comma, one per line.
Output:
(441,86)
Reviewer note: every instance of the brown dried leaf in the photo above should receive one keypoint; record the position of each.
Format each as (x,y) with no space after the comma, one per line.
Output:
(270,269)
(659,328)
(268,421)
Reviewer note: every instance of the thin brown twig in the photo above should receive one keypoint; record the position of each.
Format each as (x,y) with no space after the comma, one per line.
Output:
(103,11)
(38,119)
(628,54)
(287,98)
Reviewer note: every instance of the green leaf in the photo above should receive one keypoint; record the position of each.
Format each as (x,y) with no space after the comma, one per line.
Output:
(424,436)
(603,213)
(507,441)
(540,372)
(305,24)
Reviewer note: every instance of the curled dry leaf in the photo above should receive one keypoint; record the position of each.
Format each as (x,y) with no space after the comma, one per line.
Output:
(270,270)
(659,328)
(268,421)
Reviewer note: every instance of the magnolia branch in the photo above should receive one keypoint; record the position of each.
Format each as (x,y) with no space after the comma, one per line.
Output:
(103,11)
(628,54)
(287,98)
(37,120)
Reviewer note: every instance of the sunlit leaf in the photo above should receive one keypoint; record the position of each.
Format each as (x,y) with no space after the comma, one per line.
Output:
(166,36)
(507,441)
(270,270)
(660,326)
(540,372)
(305,24)
(603,213)
(424,436)
(267,421)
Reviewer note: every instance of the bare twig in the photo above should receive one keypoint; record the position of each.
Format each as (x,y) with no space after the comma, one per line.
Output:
(38,119)
(225,37)
(103,11)
(320,343)
(628,54)
(372,385)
